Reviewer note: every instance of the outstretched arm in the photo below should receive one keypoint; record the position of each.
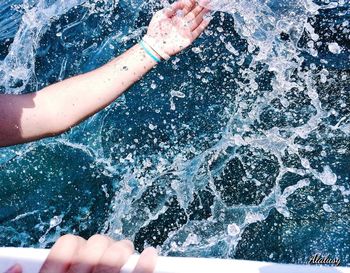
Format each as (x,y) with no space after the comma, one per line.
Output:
(60,106)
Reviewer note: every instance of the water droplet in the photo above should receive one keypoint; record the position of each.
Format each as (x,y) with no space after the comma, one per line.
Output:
(233,230)
(327,208)
(334,48)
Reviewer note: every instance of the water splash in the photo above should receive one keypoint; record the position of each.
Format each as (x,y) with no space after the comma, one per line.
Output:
(245,146)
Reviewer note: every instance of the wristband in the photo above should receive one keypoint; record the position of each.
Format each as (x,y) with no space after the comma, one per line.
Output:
(152,43)
(149,53)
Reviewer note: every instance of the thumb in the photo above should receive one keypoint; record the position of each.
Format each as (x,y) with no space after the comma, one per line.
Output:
(15,269)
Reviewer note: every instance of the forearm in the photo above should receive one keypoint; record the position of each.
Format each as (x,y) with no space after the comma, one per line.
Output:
(80,97)
(60,106)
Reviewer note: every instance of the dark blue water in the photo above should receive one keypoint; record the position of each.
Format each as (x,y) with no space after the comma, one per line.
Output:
(238,147)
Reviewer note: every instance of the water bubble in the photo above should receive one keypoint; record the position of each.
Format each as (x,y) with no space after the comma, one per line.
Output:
(334,48)
(305,163)
(231,49)
(177,94)
(196,50)
(253,217)
(233,230)
(192,239)
(310,198)
(152,127)
(328,177)
(56,220)
(180,13)
(327,208)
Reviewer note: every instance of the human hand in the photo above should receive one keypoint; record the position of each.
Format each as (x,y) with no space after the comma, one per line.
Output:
(175,28)
(73,254)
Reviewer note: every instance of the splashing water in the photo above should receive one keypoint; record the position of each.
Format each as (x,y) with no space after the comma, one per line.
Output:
(238,147)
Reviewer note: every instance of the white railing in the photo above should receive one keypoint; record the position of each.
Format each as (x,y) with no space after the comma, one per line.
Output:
(32,259)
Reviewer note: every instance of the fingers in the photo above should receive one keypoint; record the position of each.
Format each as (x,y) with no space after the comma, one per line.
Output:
(195,17)
(147,261)
(204,3)
(194,13)
(15,269)
(171,11)
(198,31)
(62,253)
(199,19)
(189,5)
(89,255)
(190,8)
(114,257)
(73,254)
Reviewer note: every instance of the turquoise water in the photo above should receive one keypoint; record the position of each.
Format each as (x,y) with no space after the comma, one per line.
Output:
(237,148)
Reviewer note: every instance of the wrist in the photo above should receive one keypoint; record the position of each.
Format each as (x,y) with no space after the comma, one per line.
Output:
(155,46)
(152,54)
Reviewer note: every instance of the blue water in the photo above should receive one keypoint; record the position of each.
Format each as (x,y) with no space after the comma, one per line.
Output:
(238,147)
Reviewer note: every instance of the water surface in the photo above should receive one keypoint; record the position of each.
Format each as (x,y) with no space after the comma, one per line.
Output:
(238,147)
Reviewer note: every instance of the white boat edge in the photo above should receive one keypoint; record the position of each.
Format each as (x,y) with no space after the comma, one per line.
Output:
(32,259)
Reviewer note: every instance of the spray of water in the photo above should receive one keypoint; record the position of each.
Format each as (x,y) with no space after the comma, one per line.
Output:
(278,142)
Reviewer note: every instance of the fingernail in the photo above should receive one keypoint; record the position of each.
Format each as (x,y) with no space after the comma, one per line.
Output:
(15,269)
